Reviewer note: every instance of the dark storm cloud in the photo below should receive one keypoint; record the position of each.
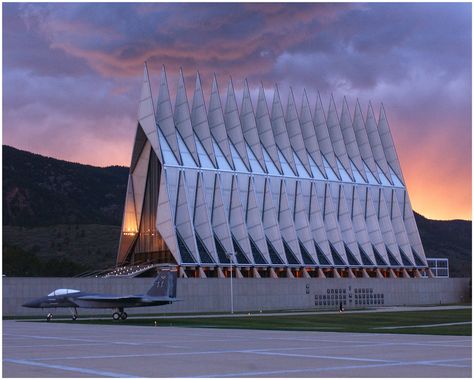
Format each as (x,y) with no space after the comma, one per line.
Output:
(73,70)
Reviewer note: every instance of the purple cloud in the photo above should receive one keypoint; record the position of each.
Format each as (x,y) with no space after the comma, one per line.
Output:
(72,72)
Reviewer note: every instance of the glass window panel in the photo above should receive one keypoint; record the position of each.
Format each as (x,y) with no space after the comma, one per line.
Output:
(284,165)
(188,160)
(203,157)
(238,163)
(331,175)
(300,167)
(357,176)
(168,155)
(272,169)
(382,177)
(344,176)
(254,164)
(314,168)
(395,179)
(220,158)
(370,176)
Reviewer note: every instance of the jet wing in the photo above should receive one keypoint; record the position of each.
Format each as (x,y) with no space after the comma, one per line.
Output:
(97,297)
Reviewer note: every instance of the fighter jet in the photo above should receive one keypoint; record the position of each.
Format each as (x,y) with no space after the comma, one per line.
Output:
(162,292)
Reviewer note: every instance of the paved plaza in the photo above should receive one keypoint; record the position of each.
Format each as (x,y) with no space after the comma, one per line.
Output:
(32,349)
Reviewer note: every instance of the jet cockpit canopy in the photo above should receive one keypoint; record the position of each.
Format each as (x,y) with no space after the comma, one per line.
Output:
(61,292)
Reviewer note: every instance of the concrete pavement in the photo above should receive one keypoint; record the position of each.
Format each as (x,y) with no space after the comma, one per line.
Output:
(66,350)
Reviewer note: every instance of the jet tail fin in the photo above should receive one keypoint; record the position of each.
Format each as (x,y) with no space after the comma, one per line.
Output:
(164,284)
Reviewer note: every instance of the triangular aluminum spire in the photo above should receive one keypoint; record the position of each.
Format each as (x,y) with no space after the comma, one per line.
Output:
(164,116)
(191,186)
(182,118)
(317,224)
(358,222)
(388,145)
(280,132)
(202,222)
(237,221)
(309,134)
(294,132)
(375,143)
(385,223)
(333,231)
(264,128)
(285,218)
(302,226)
(365,149)
(232,125)
(139,143)
(315,219)
(219,220)
(397,223)
(209,179)
(254,222)
(322,134)
(215,116)
(172,177)
(344,219)
(164,220)
(146,118)
(350,140)
(337,140)
(270,223)
(372,222)
(183,221)
(249,127)
(410,223)
(199,120)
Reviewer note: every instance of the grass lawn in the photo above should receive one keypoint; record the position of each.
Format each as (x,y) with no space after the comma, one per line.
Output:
(340,322)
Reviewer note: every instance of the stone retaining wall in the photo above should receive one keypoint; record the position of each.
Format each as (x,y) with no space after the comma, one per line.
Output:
(250,294)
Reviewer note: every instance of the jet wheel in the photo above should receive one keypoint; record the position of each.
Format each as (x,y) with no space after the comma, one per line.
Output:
(49,317)
(116,316)
(124,316)
(74,317)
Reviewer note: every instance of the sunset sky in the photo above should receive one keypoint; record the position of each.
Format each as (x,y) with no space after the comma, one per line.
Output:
(72,75)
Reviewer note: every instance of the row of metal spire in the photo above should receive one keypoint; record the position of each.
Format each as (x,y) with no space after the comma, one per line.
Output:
(345,138)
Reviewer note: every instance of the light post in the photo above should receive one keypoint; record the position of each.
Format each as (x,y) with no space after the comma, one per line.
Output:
(231,255)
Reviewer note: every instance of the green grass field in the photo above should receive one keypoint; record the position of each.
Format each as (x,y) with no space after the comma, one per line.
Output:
(340,322)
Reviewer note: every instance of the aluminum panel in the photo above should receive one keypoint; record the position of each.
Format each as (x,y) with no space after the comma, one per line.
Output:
(322,134)
(164,116)
(294,131)
(215,117)
(182,117)
(337,140)
(249,126)
(232,125)
(264,128)
(199,120)
(279,130)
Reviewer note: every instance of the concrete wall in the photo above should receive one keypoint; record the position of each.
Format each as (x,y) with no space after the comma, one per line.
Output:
(213,294)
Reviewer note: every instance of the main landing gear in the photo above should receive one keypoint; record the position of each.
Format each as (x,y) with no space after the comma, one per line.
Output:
(49,317)
(119,314)
(73,313)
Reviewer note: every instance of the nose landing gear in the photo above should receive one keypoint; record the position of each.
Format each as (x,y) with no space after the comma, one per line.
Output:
(49,317)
